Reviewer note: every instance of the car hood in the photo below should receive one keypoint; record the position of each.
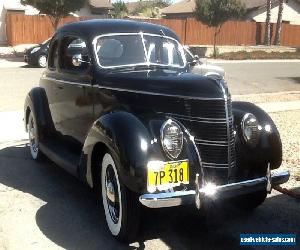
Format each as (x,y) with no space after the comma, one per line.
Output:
(164,82)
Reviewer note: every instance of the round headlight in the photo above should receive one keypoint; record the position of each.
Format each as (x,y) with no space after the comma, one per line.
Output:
(171,138)
(250,129)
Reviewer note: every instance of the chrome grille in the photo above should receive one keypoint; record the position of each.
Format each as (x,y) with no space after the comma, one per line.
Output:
(211,123)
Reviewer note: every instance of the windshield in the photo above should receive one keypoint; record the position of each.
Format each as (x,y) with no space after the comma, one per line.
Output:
(119,50)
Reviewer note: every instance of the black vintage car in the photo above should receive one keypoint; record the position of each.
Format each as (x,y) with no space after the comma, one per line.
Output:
(125,115)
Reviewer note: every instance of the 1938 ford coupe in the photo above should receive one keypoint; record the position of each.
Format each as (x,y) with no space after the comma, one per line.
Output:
(124,114)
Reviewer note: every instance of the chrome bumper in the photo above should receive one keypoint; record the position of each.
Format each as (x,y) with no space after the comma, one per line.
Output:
(179,198)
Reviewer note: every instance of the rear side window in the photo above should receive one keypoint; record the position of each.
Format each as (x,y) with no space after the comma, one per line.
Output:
(53,56)
(74,46)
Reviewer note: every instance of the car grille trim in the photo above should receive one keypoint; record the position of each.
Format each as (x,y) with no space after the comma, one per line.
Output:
(214,136)
(196,119)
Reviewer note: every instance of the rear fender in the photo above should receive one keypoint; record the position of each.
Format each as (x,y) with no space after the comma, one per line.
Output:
(37,102)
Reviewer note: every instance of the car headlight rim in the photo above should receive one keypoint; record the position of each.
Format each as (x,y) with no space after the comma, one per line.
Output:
(171,136)
(250,131)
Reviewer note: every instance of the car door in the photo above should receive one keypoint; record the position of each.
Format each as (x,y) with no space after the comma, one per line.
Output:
(73,106)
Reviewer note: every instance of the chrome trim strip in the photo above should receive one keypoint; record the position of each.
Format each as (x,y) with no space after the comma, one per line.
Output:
(196,149)
(155,93)
(197,119)
(146,63)
(172,199)
(66,82)
(129,90)
(203,121)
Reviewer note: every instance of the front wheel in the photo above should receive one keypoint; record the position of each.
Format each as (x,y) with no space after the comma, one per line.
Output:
(121,207)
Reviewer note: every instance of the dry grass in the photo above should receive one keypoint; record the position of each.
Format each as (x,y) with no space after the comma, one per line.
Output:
(244,55)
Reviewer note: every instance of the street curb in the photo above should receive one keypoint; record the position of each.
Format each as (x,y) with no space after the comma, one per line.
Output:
(253,61)
(268,94)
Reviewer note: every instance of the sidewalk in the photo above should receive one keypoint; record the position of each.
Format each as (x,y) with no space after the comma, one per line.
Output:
(15,51)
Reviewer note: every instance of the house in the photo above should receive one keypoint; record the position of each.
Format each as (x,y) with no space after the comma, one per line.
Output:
(12,6)
(291,11)
(256,10)
(181,10)
(92,9)
(95,9)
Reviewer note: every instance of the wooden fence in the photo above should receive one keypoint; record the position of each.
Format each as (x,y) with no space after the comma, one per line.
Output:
(21,29)
(35,29)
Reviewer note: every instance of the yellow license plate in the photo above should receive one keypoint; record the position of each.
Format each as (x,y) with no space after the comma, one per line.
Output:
(165,175)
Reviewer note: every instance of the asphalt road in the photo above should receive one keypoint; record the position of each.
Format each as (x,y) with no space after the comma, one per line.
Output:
(262,77)
(243,78)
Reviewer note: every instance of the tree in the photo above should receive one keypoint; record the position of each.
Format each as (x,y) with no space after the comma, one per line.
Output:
(120,9)
(215,13)
(279,23)
(150,8)
(268,24)
(55,9)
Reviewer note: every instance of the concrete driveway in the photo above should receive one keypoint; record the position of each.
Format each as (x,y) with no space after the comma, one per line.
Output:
(42,207)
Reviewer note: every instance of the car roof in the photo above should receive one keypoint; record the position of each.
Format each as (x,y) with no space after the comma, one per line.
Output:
(92,28)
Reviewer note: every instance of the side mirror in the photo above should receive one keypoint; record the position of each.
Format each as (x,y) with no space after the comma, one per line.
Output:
(195,61)
(77,60)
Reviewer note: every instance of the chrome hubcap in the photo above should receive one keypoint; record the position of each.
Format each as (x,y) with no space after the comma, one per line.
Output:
(112,194)
(43,61)
(32,136)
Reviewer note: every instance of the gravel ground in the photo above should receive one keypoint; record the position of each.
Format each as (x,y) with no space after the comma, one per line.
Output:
(289,126)
(268,97)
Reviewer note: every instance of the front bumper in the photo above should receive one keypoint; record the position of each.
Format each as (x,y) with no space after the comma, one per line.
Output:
(179,198)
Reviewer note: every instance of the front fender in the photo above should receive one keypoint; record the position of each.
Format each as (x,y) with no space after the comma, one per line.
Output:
(269,147)
(133,144)
(128,140)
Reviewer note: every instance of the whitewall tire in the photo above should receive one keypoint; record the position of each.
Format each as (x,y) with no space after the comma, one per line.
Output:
(121,207)
(111,195)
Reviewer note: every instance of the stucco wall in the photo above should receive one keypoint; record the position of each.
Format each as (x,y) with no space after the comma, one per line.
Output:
(291,13)
(2,23)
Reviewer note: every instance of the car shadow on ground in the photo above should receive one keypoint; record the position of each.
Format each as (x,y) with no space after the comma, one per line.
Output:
(72,219)
(292,79)
(28,66)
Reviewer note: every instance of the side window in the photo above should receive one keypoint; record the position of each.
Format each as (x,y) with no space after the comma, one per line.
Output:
(53,56)
(74,46)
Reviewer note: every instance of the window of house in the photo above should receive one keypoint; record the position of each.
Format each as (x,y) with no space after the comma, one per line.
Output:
(70,47)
